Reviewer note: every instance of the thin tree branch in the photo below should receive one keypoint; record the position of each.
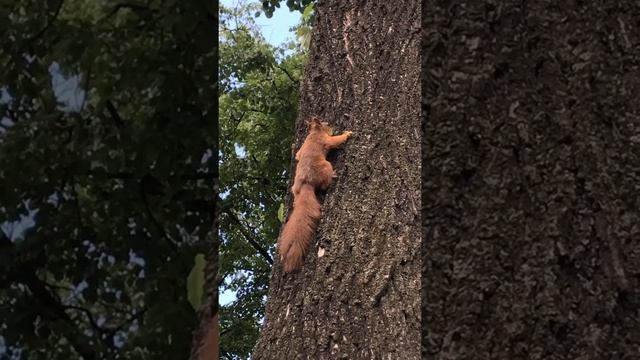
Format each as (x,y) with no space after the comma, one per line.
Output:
(89,315)
(48,24)
(287,73)
(53,310)
(242,227)
(128,321)
(135,316)
(114,113)
(156,223)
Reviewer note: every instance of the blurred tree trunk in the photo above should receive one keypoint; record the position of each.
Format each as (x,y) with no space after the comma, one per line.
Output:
(358,294)
(532,168)
(206,338)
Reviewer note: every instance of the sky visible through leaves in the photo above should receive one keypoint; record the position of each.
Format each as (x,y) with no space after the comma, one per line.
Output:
(276,31)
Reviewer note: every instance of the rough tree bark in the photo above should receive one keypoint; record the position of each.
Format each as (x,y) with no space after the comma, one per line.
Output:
(357,295)
(532,169)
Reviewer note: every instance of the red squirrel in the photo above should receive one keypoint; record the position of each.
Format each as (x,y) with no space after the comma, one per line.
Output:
(313,172)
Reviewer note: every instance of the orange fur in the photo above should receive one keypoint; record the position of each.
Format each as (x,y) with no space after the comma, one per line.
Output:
(313,172)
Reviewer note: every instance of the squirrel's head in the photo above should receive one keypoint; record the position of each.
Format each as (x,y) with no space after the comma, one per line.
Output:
(316,125)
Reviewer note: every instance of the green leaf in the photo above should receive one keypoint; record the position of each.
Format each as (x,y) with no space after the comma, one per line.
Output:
(308,10)
(195,282)
(281,212)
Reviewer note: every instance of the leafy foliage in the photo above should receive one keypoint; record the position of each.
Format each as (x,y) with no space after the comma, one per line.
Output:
(106,163)
(258,105)
(270,6)
(303,30)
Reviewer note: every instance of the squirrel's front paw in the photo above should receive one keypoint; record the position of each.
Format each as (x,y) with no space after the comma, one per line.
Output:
(348,133)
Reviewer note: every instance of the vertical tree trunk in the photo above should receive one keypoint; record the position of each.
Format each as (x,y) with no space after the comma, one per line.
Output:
(358,294)
(206,337)
(532,165)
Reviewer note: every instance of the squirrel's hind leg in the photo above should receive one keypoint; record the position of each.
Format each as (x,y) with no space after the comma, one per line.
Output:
(326,175)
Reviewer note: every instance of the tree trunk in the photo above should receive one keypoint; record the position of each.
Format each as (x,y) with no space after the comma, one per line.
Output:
(205,344)
(358,294)
(532,166)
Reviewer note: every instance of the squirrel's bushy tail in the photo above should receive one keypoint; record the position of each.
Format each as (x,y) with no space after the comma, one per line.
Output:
(299,230)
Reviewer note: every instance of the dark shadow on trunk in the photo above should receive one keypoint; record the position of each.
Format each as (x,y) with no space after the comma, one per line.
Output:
(531,166)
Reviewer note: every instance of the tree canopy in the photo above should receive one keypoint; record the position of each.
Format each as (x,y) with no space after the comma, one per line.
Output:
(106,161)
(269,6)
(258,105)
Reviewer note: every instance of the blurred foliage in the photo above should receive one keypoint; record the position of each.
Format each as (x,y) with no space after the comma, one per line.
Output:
(107,122)
(258,106)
